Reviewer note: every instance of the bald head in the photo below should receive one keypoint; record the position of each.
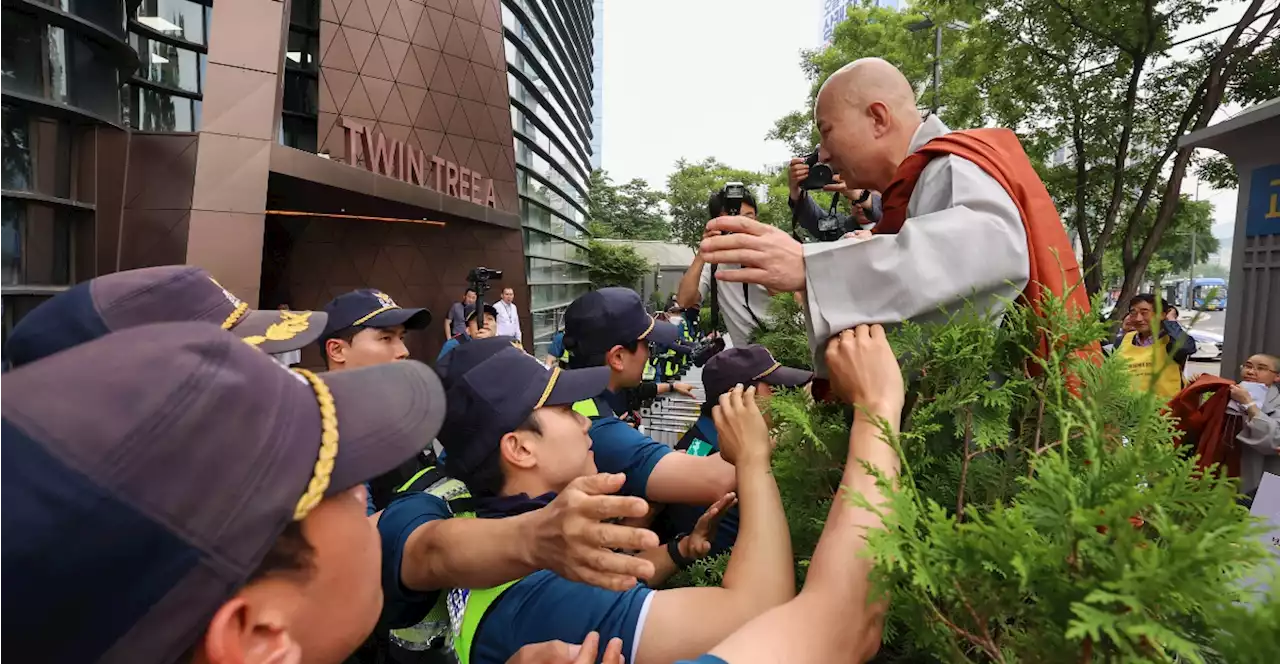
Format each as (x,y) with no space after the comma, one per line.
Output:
(868,80)
(866,114)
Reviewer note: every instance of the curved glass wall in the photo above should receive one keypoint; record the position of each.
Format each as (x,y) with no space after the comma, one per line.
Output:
(549,76)
(171,39)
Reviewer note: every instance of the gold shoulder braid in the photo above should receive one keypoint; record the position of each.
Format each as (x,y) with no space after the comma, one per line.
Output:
(235,316)
(291,323)
(328,447)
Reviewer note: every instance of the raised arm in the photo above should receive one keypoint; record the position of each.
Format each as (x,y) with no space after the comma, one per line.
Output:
(832,619)
(686,621)
(689,292)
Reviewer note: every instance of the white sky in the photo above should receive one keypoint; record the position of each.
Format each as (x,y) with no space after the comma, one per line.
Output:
(699,78)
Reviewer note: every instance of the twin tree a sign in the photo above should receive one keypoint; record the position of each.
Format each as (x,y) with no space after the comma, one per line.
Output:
(398,160)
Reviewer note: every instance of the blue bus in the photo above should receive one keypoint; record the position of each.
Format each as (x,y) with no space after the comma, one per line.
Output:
(1206,293)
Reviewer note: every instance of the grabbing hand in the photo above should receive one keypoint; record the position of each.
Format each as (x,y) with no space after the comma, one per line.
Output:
(683,388)
(559,652)
(1241,395)
(571,541)
(864,371)
(744,437)
(698,543)
(797,171)
(768,255)
(860,233)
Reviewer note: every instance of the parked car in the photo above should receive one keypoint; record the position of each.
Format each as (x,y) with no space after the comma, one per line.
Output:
(1208,345)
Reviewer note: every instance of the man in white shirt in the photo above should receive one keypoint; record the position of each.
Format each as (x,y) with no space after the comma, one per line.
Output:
(742,305)
(964,238)
(508,315)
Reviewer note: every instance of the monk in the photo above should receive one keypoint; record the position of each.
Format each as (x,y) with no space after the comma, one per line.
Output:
(965,218)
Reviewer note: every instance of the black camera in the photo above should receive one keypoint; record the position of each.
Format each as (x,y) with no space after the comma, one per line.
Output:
(820,174)
(705,350)
(478,278)
(732,196)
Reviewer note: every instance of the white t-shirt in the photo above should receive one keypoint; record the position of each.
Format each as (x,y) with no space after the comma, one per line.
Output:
(734,304)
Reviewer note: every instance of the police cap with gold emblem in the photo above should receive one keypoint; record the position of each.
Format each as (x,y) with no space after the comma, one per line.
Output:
(368,307)
(167,294)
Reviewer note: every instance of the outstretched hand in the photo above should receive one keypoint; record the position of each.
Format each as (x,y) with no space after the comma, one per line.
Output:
(698,543)
(744,436)
(573,541)
(864,370)
(768,255)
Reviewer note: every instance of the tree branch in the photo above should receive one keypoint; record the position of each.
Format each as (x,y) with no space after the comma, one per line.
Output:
(964,465)
(1079,23)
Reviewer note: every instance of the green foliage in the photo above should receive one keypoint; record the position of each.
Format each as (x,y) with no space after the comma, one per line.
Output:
(1030,524)
(783,332)
(630,211)
(615,265)
(688,189)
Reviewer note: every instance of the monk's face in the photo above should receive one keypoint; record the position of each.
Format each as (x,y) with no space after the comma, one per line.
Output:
(857,140)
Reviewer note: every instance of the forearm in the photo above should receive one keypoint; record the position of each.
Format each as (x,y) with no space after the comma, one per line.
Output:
(690,480)
(760,566)
(838,574)
(1261,432)
(688,294)
(664,567)
(470,553)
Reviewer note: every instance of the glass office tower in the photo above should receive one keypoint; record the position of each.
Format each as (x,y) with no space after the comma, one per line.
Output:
(549,78)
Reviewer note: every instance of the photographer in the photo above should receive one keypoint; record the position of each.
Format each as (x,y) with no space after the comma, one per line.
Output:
(740,305)
(966,218)
(807,214)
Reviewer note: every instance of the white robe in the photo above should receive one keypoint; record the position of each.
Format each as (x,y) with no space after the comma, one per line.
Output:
(963,239)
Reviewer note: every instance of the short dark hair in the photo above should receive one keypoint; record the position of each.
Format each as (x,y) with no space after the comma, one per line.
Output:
(715,204)
(579,360)
(346,334)
(485,480)
(468,289)
(1143,297)
(290,554)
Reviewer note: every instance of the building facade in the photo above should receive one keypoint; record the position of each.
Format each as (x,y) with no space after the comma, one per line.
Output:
(597,84)
(549,77)
(298,149)
(835,11)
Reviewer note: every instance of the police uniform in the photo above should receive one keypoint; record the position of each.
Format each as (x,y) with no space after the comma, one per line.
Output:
(594,323)
(492,389)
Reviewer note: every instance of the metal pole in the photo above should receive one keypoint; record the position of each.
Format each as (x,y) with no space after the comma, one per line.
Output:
(937,64)
(1191,274)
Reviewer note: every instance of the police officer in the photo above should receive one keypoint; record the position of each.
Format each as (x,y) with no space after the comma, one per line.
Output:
(513,436)
(166,294)
(750,365)
(610,328)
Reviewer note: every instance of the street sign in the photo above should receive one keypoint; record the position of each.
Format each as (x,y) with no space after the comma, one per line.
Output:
(1263,214)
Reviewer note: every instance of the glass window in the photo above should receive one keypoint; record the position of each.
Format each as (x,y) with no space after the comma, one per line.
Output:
(17,151)
(20,44)
(159,111)
(302,52)
(305,13)
(95,81)
(168,65)
(180,19)
(12,213)
(301,93)
(299,133)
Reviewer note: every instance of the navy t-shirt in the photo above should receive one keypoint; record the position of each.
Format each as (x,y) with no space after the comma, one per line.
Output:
(546,607)
(404,607)
(705,659)
(700,440)
(556,347)
(620,448)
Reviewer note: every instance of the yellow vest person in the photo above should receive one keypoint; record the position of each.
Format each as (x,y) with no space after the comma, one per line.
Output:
(1151,367)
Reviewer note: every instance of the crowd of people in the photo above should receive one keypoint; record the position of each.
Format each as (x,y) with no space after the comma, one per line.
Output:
(177,491)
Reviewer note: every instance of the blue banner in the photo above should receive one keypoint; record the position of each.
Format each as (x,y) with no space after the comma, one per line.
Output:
(1263,215)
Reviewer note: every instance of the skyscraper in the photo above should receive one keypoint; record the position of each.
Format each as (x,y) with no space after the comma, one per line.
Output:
(597,84)
(834,11)
(549,76)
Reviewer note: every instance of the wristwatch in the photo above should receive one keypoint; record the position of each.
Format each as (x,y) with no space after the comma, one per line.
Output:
(673,549)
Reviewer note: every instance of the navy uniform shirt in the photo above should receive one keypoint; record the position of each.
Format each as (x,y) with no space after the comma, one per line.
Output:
(620,448)
(546,607)
(700,440)
(705,659)
(401,606)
